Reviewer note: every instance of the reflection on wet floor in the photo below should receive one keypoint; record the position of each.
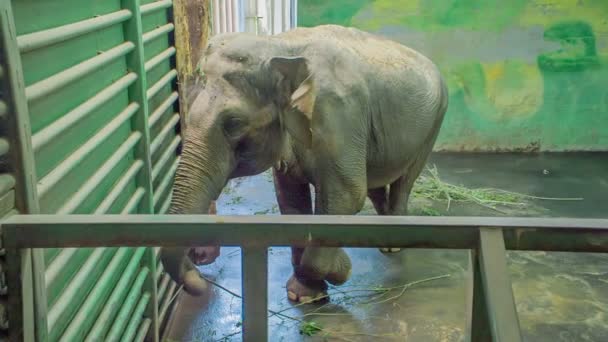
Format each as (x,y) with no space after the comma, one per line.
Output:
(559,296)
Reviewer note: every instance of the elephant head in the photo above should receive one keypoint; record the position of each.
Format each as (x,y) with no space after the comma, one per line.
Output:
(257,97)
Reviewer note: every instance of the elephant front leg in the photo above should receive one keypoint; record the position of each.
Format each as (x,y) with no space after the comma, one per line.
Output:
(316,265)
(293,198)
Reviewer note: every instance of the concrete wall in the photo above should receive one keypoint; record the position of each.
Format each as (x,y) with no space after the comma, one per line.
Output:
(523,74)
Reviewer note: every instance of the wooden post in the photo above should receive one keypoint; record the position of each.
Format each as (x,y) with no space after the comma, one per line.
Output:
(192,20)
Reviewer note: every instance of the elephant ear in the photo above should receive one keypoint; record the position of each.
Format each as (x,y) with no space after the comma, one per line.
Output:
(298,95)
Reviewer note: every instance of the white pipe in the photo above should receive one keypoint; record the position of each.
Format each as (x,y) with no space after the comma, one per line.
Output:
(229,15)
(270,5)
(251,16)
(216,17)
(223,16)
(242,6)
(235,15)
(284,16)
(294,6)
(263,9)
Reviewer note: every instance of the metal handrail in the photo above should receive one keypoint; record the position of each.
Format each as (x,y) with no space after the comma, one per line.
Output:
(492,312)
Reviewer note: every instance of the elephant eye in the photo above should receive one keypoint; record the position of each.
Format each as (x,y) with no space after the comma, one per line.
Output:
(234,126)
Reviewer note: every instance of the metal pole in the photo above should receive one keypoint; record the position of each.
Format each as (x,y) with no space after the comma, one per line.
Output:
(251,16)
(216,17)
(27,288)
(229,15)
(255,294)
(284,15)
(497,291)
(223,16)
(477,326)
(235,15)
(294,13)
(133,31)
(272,17)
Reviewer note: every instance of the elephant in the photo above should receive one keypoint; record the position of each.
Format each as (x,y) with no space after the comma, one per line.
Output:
(353,114)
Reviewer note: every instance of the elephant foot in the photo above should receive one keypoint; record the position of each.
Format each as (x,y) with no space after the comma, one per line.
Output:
(303,290)
(204,255)
(390,250)
(341,270)
(330,264)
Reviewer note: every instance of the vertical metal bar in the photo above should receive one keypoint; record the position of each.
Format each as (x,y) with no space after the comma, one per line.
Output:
(255,294)
(272,16)
(251,16)
(500,303)
(30,265)
(137,93)
(236,10)
(216,17)
(284,15)
(39,288)
(27,199)
(149,261)
(477,327)
(19,300)
(133,32)
(242,20)
(294,13)
(222,16)
(229,16)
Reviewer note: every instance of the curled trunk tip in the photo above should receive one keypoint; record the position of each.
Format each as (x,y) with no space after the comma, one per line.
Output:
(181,269)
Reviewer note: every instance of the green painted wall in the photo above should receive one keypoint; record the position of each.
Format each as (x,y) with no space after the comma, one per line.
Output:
(523,74)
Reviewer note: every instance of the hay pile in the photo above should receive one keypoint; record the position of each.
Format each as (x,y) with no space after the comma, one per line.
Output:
(430,186)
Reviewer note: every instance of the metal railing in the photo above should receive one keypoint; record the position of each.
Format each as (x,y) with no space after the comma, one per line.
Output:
(491,307)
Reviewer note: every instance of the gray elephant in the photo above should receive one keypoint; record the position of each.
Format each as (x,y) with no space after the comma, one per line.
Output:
(353,114)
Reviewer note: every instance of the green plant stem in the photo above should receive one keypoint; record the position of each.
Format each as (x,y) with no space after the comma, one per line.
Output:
(239,296)
(279,313)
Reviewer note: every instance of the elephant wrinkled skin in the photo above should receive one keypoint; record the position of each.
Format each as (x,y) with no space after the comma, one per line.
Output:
(353,114)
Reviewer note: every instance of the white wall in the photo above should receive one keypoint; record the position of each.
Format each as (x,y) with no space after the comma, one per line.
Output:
(257,16)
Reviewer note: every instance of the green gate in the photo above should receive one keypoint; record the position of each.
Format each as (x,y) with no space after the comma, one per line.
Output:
(89,124)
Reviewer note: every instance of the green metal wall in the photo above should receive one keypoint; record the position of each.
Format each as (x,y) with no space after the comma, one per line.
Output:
(93,93)
(524,75)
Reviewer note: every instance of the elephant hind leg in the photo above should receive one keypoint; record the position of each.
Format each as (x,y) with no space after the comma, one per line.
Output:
(400,189)
(396,201)
(380,200)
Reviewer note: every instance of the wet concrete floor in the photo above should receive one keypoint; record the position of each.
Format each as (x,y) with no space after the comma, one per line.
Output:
(559,296)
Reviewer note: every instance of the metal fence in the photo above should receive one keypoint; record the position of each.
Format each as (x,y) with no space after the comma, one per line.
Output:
(492,312)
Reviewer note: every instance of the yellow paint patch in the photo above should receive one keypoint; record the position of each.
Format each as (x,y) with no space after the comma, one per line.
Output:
(514,89)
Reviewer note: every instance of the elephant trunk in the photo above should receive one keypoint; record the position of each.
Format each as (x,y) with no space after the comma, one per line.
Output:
(200,176)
